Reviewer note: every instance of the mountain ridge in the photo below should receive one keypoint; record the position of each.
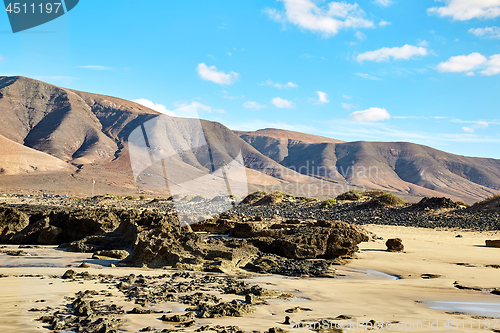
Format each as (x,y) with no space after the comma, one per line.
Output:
(89,133)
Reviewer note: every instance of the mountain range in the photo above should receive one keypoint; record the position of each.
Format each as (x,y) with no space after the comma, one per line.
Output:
(58,140)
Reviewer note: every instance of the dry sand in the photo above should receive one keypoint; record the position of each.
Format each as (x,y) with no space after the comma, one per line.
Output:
(359,294)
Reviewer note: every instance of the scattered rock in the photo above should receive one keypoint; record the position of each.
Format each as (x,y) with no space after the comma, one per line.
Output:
(395,245)
(143,311)
(465,264)
(297,309)
(276,330)
(250,299)
(179,318)
(272,264)
(223,309)
(69,274)
(434,203)
(430,276)
(117,254)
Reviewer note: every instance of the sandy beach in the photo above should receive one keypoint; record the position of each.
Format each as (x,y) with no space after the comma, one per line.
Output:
(381,286)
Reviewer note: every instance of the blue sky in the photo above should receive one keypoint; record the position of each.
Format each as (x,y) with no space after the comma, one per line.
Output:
(377,70)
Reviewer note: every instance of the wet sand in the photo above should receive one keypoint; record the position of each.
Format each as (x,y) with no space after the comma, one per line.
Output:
(379,285)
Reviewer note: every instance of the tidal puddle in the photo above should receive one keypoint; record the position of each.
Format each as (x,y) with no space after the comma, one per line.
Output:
(473,308)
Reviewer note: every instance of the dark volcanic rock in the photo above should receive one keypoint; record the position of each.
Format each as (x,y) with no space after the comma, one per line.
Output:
(179,318)
(319,239)
(493,243)
(69,274)
(117,254)
(434,203)
(157,239)
(229,309)
(395,245)
(278,265)
(11,221)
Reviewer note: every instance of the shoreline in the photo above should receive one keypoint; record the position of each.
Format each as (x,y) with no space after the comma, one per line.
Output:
(427,252)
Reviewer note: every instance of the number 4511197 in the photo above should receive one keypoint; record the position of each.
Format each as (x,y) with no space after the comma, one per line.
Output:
(18,8)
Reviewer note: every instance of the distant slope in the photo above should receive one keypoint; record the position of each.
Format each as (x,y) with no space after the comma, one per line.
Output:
(81,136)
(397,167)
(276,143)
(288,135)
(18,159)
(91,131)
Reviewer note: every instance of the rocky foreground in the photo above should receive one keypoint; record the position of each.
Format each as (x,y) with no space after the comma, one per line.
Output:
(266,233)
(92,311)
(156,239)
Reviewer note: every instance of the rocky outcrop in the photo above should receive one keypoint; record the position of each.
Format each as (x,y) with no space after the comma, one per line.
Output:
(434,203)
(11,222)
(272,264)
(154,239)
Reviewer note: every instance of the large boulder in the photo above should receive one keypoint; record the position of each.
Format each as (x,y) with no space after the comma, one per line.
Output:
(395,245)
(493,243)
(315,239)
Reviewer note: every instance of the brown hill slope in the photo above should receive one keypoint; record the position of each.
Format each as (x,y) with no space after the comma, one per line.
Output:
(18,159)
(276,143)
(288,135)
(92,132)
(397,167)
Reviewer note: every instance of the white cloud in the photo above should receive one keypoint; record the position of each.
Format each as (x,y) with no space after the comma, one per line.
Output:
(226,96)
(2,58)
(281,86)
(322,98)
(477,125)
(97,67)
(405,52)
(462,63)
(348,106)
(368,76)
(347,97)
(153,106)
(253,105)
(371,114)
(360,36)
(383,23)
(326,20)
(493,66)
(282,103)
(384,3)
(207,108)
(192,110)
(488,32)
(212,74)
(423,43)
(464,10)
